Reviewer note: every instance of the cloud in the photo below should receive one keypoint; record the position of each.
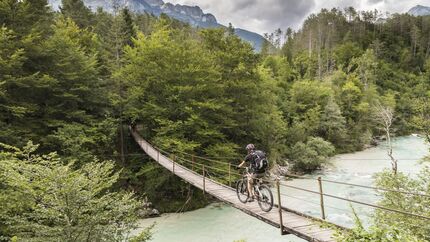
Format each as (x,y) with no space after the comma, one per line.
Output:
(374,1)
(264,16)
(261,16)
(392,6)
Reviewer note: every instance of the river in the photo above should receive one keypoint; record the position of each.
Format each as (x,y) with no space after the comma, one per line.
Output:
(219,222)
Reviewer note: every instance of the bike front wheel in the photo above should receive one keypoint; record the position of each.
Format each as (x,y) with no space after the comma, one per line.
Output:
(265,200)
(242,191)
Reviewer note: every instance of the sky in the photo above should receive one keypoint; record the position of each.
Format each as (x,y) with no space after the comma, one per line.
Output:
(264,16)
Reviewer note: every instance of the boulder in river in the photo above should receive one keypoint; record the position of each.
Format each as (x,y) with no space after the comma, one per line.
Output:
(146,210)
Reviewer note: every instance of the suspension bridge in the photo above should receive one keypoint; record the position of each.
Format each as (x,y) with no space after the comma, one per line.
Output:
(217,181)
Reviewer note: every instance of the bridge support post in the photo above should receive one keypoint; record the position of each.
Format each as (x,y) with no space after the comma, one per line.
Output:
(204,179)
(173,168)
(158,155)
(281,225)
(229,174)
(321,198)
(193,160)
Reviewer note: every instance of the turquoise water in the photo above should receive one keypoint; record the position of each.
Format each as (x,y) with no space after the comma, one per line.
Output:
(215,223)
(219,223)
(356,168)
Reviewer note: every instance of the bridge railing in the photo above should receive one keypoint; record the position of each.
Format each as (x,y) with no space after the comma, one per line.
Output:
(222,171)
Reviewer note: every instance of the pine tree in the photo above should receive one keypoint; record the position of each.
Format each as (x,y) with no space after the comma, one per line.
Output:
(78,12)
(127,27)
(121,35)
(25,16)
(332,126)
(23,92)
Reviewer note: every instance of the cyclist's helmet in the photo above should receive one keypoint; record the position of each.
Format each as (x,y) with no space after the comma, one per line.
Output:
(250,147)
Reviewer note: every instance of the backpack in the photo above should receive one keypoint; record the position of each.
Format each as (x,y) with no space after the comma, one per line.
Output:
(260,161)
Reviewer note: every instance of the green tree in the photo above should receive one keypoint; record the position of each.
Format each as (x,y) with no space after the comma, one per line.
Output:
(333,124)
(376,233)
(127,26)
(344,54)
(20,90)
(412,203)
(351,95)
(76,96)
(161,95)
(307,98)
(365,67)
(26,16)
(62,203)
(311,155)
(78,12)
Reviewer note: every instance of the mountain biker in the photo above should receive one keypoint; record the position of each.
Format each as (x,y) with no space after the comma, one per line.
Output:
(257,167)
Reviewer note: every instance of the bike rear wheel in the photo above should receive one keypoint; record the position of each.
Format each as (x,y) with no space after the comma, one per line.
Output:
(242,190)
(265,200)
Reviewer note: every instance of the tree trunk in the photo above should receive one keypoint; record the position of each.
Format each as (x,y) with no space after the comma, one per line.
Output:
(427,50)
(121,130)
(319,52)
(390,153)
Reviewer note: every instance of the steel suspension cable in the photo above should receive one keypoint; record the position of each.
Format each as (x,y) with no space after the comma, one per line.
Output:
(358,202)
(362,186)
(376,188)
(315,203)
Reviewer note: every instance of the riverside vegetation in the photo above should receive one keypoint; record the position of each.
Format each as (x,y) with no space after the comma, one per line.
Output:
(72,81)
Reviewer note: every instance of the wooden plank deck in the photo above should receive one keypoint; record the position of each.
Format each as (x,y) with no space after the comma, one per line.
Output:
(293,223)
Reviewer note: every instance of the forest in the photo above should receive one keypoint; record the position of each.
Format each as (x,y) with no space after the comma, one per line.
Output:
(71,83)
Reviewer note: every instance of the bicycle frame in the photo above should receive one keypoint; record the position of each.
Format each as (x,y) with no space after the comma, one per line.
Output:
(256,181)
(258,187)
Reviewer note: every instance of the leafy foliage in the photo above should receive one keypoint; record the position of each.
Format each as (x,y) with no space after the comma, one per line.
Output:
(43,199)
(311,155)
(412,203)
(381,233)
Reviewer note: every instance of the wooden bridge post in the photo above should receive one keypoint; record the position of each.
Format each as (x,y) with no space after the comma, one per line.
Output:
(281,225)
(321,198)
(193,160)
(204,180)
(158,155)
(173,159)
(229,174)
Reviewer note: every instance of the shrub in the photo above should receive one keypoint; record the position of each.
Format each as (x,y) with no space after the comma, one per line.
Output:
(311,155)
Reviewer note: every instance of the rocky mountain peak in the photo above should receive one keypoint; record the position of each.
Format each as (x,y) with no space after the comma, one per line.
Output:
(193,15)
(419,10)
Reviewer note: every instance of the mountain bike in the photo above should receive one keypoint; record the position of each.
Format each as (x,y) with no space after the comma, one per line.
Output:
(262,192)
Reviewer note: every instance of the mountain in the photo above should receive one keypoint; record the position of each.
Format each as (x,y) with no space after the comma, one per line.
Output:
(193,15)
(255,39)
(419,10)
